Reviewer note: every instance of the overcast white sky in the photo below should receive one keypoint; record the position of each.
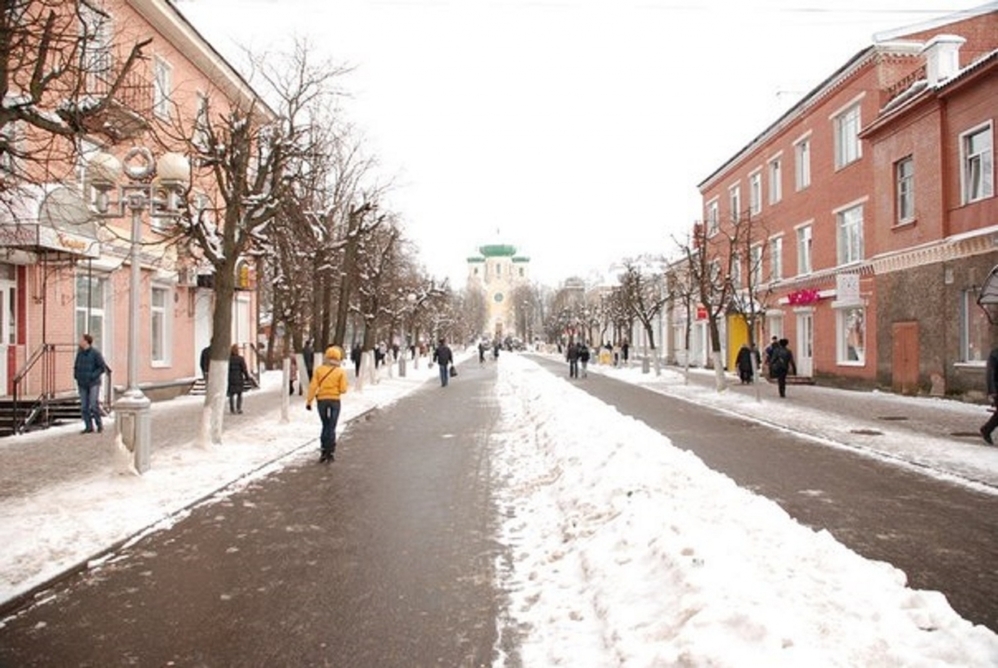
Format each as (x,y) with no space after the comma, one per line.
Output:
(576,128)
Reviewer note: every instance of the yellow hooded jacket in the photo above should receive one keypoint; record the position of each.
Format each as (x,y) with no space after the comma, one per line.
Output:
(329,381)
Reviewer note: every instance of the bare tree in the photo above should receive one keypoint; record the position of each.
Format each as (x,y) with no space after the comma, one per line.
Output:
(59,78)
(644,295)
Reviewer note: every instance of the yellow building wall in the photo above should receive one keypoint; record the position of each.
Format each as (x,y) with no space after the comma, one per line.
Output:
(737,335)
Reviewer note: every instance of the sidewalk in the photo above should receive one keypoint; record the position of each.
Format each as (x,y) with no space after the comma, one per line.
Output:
(933,435)
(64,497)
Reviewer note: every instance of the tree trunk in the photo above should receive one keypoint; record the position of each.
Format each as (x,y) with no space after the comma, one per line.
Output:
(221,343)
(715,354)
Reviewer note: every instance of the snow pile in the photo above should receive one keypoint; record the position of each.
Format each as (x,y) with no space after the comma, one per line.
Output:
(624,550)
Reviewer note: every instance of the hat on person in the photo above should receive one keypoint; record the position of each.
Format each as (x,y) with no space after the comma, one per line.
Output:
(334,353)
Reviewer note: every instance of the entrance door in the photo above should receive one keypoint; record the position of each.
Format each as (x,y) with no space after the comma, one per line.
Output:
(804,350)
(904,358)
(8,330)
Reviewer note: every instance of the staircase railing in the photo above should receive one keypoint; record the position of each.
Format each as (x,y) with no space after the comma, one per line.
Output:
(44,355)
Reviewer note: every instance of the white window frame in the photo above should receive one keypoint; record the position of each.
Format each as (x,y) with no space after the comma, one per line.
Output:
(755,264)
(846,125)
(904,188)
(969,310)
(163,336)
(805,244)
(775,179)
(850,335)
(776,258)
(735,201)
(984,159)
(736,272)
(162,86)
(849,232)
(100,311)
(713,217)
(802,163)
(755,192)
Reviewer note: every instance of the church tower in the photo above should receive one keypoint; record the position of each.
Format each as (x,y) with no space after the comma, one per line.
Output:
(498,271)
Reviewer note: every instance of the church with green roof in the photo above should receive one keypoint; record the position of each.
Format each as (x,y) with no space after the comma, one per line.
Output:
(498,271)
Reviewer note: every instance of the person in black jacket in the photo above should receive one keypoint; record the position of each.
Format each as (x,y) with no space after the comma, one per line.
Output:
(238,376)
(445,358)
(572,355)
(205,363)
(88,368)
(744,363)
(991,378)
(781,362)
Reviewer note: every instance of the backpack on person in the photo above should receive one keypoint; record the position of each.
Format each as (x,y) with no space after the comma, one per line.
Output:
(778,361)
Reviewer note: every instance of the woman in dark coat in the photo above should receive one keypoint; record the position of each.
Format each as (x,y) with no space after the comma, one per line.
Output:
(744,364)
(238,376)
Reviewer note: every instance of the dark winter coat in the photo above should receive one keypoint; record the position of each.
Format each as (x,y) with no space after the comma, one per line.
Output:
(781,362)
(573,352)
(443,355)
(992,373)
(309,354)
(205,360)
(584,354)
(238,375)
(744,359)
(88,367)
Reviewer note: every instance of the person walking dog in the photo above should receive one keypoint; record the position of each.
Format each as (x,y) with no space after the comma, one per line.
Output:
(328,384)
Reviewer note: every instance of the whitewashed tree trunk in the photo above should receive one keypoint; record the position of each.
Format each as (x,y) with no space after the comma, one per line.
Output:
(286,383)
(213,412)
(720,381)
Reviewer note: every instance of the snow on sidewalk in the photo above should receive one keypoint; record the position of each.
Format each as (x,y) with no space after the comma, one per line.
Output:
(625,550)
(52,531)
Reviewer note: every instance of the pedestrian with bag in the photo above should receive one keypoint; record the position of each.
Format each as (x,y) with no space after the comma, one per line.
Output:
(781,363)
(327,385)
(88,369)
(444,359)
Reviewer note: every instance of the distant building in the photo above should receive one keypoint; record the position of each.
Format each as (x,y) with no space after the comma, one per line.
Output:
(498,271)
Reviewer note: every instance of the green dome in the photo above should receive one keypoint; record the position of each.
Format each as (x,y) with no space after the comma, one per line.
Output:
(497,250)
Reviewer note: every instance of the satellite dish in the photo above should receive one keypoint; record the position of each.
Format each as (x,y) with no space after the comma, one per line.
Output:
(64,209)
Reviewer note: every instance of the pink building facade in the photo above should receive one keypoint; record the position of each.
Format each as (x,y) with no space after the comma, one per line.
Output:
(64,273)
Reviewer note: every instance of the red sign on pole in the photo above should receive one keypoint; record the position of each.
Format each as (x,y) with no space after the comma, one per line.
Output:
(701,312)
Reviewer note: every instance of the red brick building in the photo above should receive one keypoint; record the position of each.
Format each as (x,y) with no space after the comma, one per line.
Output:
(872,213)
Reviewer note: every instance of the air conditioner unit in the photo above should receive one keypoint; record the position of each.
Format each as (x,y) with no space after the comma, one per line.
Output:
(187,277)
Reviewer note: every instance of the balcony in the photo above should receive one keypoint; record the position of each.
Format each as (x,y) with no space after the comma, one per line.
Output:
(127,113)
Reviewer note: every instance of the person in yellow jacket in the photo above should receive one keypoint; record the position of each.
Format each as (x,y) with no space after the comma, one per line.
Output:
(329,382)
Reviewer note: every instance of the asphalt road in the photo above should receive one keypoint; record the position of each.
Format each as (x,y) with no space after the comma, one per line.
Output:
(944,536)
(383,558)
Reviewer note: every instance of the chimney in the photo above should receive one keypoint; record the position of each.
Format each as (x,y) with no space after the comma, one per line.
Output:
(942,57)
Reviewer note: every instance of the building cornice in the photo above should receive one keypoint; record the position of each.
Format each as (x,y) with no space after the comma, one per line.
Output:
(166,19)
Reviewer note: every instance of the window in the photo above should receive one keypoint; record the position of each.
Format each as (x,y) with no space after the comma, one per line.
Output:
(775,181)
(776,259)
(91,301)
(736,272)
(849,225)
(847,148)
(162,86)
(96,37)
(755,266)
(12,141)
(714,271)
(975,330)
(201,120)
(755,193)
(160,335)
(977,157)
(802,164)
(804,250)
(521,272)
(735,201)
(851,335)
(498,269)
(712,218)
(904,183)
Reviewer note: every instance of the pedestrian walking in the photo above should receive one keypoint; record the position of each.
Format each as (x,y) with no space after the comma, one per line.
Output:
(88,369)
(781,363)
(481,353)
(495,350)
(325,388)
(991,378)
(744,363)
(584,358)
(293,376)
(572,355)
(355,356)
(308,353)
(238,377)
(444,359)
(767,353)
(205,363)
(625,350)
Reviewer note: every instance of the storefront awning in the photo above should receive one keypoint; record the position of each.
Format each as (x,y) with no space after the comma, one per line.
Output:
(62,224)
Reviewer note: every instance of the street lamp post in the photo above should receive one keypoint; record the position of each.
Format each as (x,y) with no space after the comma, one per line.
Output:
(142,192)
(410,300)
